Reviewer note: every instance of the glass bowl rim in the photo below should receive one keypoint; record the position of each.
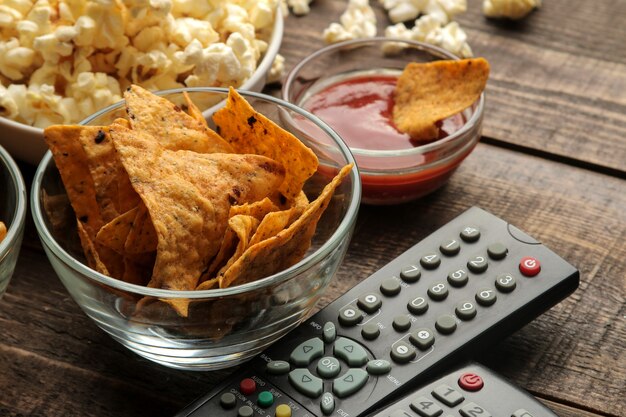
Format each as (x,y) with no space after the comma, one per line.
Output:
(418,150)
(19,212)
(342,230)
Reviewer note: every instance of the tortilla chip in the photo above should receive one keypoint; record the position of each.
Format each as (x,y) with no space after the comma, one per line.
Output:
(249,132)
(3,231)
(208,285)
(236,240)
(138,270)
(287,247)
(142,236)
(194,111)
(57,210)
(258,209)
(429,92)
(71,160)
(188,196)
(114,234)
(93,259)
(174,128)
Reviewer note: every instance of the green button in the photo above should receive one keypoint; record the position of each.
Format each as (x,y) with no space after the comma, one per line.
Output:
(265,399)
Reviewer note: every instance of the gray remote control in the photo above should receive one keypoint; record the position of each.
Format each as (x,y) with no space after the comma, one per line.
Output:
(461,289)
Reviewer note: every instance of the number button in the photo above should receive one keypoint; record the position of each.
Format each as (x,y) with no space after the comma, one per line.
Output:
(450,247)
(370,303)
(473,410)
(438,291)
(426,407)
(458,278)
(486,297)
(478,264)
(418,305)
(430,261)
(410,274)
(505,282)
(470,234)
(350,315)
(448,395)
(402,352)
(465,310)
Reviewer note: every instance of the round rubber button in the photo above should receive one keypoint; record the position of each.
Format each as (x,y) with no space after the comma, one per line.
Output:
(228,400)
(283,410)
(402,323)
(245,411)
(505,282)
(247,386)
(497,251)
(430,261)
(438,291)
(486,297)
(370,303)
(350,315)
(465,310)
(410,274)
(529,266)
(445,324)
(418,305)
(471,382)
(370,331)
(265,399)
(458,278)
(422,338)
(402,352)
(450,247)
(390,287)
(328,367)
(478,264)
(470,234)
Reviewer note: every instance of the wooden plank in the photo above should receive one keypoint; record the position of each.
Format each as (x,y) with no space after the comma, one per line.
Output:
(558,78)
(55,361)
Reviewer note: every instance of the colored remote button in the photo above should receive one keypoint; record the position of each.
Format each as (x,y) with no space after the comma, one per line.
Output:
(471,382)
(529,266)
(247,386)
(265,399)
(228,400)
(283,410)
(304,354)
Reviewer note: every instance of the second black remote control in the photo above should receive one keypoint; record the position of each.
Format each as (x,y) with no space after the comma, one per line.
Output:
(463,288)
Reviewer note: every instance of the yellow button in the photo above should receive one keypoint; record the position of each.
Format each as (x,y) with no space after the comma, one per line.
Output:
(283,410)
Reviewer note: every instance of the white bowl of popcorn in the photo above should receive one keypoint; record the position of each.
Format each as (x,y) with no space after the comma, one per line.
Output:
(59,65)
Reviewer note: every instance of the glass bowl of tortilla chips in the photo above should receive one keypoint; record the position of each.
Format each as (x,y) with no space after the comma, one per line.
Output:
(12,216)
(195,242)
(410,112)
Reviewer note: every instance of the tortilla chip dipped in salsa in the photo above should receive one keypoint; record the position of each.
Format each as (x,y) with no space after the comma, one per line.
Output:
(162,200)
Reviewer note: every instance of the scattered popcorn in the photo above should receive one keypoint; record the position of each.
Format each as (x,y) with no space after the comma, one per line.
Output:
(299,7)
(62,60)
(277,70)
(358,21)
(405,10)
(513,9)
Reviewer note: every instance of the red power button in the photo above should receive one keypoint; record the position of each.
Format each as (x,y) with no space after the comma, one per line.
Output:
(471,382)
(529,266)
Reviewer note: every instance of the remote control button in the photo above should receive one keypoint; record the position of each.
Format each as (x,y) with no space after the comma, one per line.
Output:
(399,413)
(283,410)
(505,282)
(328,367)
(448,395)
(497,251)
(350,315)
(245,411)
(450,247)
(458,278)
(430,261)
(278,367)
(422,338)
(486,297)
(306,383)
(473,410)
(477,264)
(426,407)
(529,266)
(378,367)
(438,291)
(470,234)
(465,310)
(247,386)
(350,351)
(307,351)
(228,401)
(390,287)
(410,274)
(445,324)
(521,413)
(418,305)
(330,332)
(370,303)
(471,382)
(327,404)
(370,331)
(350,382)
(402,323)
(402,352)
(265,399)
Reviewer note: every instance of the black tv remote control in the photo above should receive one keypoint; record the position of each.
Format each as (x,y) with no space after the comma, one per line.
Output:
(463,288)
(468,391)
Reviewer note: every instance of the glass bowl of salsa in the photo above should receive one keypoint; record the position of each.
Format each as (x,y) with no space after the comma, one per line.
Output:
(350,85)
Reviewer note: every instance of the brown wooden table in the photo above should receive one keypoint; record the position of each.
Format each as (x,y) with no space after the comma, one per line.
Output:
(552,161)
